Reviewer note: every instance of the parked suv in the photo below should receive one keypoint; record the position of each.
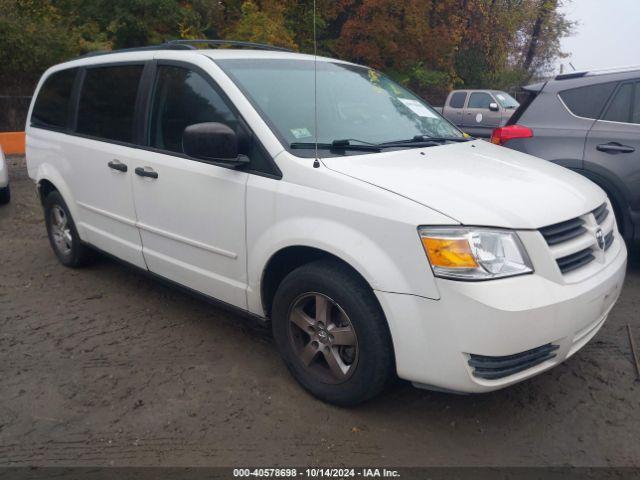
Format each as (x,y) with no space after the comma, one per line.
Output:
(478,112)
(589,122)
(375,236)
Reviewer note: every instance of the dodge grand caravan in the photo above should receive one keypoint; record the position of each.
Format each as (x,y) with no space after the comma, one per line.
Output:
(383,242)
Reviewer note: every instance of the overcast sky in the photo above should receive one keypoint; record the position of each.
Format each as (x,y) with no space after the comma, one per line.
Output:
(607,34)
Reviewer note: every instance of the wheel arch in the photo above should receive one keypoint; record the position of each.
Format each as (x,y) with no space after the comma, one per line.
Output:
(49,179)
(287,259)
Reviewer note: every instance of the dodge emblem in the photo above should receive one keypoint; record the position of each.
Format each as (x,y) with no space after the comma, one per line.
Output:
(600,239)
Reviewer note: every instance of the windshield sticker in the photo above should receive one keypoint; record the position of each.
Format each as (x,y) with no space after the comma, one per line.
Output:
(300,133)
(500,97)
(419,109)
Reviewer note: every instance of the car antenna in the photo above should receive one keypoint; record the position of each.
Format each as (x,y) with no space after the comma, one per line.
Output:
(316,162)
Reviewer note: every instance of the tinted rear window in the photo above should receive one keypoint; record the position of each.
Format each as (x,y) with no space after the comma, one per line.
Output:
(619,109)
(107,102)
(588,101)
(458,99)
(52,105)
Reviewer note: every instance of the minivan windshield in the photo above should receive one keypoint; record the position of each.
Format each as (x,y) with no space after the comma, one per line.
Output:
(353,103)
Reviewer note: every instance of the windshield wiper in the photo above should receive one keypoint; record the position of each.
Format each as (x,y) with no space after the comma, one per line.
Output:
(426,140)
(362,146)
(346,144)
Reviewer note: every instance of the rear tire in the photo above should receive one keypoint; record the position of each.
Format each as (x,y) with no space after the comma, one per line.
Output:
(63,235)
(332,333)
(5,195)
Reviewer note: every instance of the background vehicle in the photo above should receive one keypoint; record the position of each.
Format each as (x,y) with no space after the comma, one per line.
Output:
(589,122)
(478,112)
(5,193)
(373,234)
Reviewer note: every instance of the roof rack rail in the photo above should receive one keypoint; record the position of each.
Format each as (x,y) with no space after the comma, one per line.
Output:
(231,43)
(567,76)
(188,45)
(599,71)
(163,46)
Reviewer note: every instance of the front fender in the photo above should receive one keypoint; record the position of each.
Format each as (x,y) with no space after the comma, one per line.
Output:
(386,267)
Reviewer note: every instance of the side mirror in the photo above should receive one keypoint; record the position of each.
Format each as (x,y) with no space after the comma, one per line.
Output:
(493,106)
(213,142)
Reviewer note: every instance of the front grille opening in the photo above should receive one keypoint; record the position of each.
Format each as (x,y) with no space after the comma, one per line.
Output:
(563,231)
(493,368)
(608,240)
(575,260)
(601,213)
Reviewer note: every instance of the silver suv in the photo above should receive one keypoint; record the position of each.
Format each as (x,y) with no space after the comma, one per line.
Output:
(590,123)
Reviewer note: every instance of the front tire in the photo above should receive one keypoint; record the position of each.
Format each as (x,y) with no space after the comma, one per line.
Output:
(62,232)
(332,334)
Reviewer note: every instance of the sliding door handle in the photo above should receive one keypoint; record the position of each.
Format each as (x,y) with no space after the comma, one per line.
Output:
(146,172)
(117,165)
(615,147)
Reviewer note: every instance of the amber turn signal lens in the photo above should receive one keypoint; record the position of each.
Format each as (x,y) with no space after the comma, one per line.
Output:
(449,253)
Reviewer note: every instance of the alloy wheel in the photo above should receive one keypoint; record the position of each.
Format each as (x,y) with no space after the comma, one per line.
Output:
(61,230)
(323,337)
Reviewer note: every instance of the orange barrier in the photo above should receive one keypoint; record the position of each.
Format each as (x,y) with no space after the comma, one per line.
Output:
(12,142)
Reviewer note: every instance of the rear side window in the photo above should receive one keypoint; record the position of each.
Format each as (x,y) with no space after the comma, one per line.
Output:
(457,100)
(107,102)
(619,109)
(588,101)
(52,105)
(480,100)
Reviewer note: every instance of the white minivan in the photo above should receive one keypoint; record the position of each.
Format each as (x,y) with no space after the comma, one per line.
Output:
(376,238)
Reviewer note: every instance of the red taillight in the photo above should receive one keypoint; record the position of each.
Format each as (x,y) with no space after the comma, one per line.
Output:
(502,135)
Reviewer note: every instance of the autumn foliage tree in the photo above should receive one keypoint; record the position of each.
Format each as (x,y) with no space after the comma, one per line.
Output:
(429,45)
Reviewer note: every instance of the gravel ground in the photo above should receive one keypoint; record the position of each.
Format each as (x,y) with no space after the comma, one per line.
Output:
(105,366)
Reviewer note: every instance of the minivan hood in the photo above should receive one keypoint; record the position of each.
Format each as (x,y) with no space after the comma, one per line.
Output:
(477,183)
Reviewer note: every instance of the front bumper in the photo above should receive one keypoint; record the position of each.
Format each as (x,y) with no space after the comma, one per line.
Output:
(433,339)
(4,172)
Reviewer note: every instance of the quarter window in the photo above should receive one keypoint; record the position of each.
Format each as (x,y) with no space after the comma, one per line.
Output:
(588,101)
(458,99)
(107,102)
(183,97)
(480,100)
(619,109)
(52,105)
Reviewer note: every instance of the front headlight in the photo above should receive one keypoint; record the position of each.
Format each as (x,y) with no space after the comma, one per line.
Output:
(474,253)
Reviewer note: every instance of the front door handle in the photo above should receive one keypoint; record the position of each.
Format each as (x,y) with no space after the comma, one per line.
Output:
(117,165)
(146,172)
(615,147)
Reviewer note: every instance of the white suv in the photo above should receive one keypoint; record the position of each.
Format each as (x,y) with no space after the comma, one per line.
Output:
(399,246)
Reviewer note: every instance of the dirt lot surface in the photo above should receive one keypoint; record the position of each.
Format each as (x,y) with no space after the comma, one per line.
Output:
(105,366)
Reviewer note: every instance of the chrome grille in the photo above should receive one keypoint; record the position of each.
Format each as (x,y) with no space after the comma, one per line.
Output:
(608,240)
(573,243)
(601,213)
(564,231)
(575,260)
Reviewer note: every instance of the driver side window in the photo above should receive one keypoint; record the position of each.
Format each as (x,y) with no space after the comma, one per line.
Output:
(181,98)
(480,100)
